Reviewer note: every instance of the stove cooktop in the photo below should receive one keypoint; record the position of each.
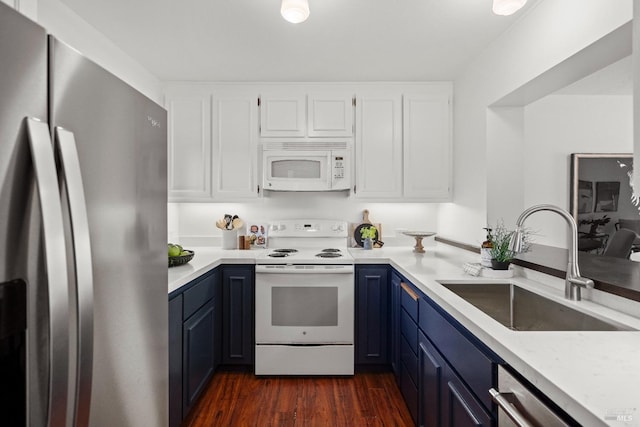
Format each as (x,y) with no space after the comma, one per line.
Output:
(306,256)
(305,241)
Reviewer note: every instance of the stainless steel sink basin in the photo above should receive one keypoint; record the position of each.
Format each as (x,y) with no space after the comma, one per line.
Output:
(521,310)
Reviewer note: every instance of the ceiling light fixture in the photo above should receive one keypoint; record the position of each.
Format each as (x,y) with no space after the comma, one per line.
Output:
(505,7)
(295,11)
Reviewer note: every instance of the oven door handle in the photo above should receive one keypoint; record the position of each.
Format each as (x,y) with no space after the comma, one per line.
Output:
(304,269)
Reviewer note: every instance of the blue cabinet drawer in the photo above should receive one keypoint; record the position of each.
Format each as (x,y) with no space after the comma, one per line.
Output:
(409,300)
(472,364)
(410,360)
(409,331)
(198,295)
(410,393)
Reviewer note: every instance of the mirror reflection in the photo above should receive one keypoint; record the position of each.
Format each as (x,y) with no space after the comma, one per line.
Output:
(604,204)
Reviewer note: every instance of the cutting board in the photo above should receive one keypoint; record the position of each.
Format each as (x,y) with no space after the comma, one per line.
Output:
(356,237)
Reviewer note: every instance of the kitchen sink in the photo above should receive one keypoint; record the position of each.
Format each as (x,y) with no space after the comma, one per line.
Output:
(522,310)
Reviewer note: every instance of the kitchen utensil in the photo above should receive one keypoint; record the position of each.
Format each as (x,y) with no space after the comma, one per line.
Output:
(221,224)
(237,223)
(418,235)
(357,235)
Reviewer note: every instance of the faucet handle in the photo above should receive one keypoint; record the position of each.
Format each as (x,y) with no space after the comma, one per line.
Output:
(575,284)
(582,282)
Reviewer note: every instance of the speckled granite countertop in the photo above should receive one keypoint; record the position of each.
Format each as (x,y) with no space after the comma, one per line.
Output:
(588,374)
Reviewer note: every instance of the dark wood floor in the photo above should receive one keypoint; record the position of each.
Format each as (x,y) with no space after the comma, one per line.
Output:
(242,399)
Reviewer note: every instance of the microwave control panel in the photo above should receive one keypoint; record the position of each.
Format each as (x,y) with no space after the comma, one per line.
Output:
(338,167)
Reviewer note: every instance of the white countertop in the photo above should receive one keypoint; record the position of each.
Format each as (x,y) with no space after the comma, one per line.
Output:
(588,374)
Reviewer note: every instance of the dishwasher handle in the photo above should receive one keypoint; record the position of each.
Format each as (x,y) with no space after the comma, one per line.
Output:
(508,408)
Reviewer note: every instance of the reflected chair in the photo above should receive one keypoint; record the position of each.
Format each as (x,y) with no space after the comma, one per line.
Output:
(620,244)
(633,225)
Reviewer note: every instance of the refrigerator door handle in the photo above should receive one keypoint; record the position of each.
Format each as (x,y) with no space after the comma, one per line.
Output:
(56,266)
(66,149)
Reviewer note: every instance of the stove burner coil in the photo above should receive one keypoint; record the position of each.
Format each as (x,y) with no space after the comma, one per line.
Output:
(328,255)
(278,254)
(330,250)
(286,251)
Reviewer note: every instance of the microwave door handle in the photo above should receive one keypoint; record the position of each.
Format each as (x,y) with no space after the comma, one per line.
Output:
(67,152)
(46,179)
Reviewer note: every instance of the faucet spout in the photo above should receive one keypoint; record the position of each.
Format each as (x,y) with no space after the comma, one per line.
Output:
(574,281)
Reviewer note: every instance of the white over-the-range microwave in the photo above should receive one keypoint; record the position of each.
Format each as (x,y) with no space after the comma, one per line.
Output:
(306,166)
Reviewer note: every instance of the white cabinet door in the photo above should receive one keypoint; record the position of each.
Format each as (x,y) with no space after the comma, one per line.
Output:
(235,145)
(427,145)
(378,145)
(283,115)
(330,115)
(189,147)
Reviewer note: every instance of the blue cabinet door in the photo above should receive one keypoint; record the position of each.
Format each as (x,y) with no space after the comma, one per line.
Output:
(372,319)
(238,340)
(459,407)
(394,325)
(198,354)
(175,361)
(431,366)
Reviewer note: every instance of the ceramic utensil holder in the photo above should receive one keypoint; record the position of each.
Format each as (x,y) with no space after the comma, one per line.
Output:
(229,239)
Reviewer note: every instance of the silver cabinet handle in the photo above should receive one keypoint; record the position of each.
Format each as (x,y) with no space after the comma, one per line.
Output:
(509,409)
(65,145)
(56,264)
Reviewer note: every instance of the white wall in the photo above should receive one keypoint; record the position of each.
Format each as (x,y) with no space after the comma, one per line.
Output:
(557,126)
(547,35)
(66,25)
(194,223)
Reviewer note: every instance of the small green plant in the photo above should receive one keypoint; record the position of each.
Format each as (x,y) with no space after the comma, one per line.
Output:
(501,240)
(368,233)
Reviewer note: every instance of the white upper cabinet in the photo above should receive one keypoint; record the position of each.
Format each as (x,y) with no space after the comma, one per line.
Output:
(283,115)
(330,115)
(287,112)
(427,144)
(235,144)
(189,146)
(378,164)
(403,143)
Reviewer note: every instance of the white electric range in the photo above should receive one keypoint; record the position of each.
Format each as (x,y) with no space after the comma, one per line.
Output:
(305,300)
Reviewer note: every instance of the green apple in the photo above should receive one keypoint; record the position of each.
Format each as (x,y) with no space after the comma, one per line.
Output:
(174,250)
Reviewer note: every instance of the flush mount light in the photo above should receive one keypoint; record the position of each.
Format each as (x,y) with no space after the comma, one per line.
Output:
(295,11)
(506,7)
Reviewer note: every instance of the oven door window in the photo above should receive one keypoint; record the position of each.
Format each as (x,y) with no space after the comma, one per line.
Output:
(304,306)
(297,169)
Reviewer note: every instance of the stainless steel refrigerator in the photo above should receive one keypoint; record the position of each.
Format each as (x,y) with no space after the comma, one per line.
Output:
(83,270)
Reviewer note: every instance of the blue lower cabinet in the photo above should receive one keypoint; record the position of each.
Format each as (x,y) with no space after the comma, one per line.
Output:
(194,342)
(394,325)
(459,406)
(444,371)
(238,337)
(198,354)
(175,361)
(372,315)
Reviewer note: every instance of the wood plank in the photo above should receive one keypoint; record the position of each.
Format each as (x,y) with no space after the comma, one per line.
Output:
(242,399)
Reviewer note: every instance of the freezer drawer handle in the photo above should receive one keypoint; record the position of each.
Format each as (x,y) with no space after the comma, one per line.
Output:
(70,168)
(56,264)
(508,408)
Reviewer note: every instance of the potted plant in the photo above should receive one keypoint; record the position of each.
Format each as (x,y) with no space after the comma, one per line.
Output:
(368,234)
(501,254)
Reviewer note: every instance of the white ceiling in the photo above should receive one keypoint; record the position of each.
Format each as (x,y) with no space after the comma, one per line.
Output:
(343,40)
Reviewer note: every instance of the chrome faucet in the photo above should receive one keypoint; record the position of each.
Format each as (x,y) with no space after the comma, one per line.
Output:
(573,282)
